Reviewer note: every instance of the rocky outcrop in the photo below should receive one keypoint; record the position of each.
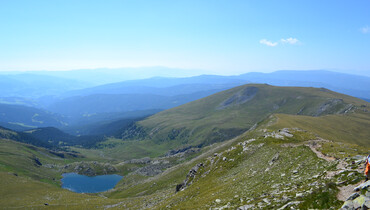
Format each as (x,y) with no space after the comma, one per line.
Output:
(182,152)
(325,107)
(36,161)
(360,199)
(280,134)
(189,177)
(153,169)
(145,160)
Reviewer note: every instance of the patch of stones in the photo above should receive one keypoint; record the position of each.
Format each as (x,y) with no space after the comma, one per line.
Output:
(360,199)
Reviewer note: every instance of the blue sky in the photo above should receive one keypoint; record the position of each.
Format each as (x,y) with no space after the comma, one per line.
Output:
(221,36)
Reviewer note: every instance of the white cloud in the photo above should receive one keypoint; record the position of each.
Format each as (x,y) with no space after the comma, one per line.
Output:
(365,30)
(268,43)
(290,41)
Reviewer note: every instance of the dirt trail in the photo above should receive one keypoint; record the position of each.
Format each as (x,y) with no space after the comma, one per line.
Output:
(313,145)
(344,191)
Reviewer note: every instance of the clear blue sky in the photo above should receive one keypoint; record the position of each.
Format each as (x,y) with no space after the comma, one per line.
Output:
(222,36)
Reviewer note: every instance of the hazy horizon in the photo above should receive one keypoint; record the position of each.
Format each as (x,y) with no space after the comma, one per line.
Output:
(223,38)
(183,73)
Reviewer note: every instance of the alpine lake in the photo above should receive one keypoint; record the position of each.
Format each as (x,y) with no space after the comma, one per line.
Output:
(89,184)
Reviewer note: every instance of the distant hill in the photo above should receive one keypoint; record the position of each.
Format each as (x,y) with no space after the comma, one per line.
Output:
(110,75)
(28,117)
(113,103)
(354,85)
(229,113)
(50,138)
(34,86)
(58,138)
(107,124)
(23,137)
(163,86)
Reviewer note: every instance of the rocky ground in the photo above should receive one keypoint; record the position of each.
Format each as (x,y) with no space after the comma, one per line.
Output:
(305,182)
(359,199)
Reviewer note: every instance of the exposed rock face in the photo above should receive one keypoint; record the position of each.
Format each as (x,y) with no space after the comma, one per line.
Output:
(189,177)
(182,152)
(292,203)
(145,160)
(36,161)
(240,97)
(280,134)
(360,199)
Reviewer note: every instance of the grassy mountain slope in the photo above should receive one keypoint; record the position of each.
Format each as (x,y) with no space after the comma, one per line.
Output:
(31,161)
(240,174)
(262,170)
(273,165)
(352,128)
(30,178)
(353,85)
(229,113)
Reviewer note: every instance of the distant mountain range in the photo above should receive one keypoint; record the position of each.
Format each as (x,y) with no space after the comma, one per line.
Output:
(358,86)
(75,100)
(249,146)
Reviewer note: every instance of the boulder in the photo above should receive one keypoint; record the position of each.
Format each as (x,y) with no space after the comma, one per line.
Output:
(359,199)
(363,186)
(353,196)
(189,177)
(292,203)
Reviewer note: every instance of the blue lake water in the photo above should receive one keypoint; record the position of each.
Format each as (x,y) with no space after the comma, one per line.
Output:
(89,184)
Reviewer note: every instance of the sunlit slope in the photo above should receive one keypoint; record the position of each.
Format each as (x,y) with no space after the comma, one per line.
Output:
(351,128)
(31,161)
(229,113)
(24,193)
(265,171)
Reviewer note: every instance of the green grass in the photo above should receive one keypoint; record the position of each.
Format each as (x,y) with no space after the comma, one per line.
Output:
(25,193)
(202,123)
(244,178)
(117,150)
(20,158)
(350,128)
(322,198)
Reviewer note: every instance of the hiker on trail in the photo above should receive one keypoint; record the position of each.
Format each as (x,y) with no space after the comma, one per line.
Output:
(367,168)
